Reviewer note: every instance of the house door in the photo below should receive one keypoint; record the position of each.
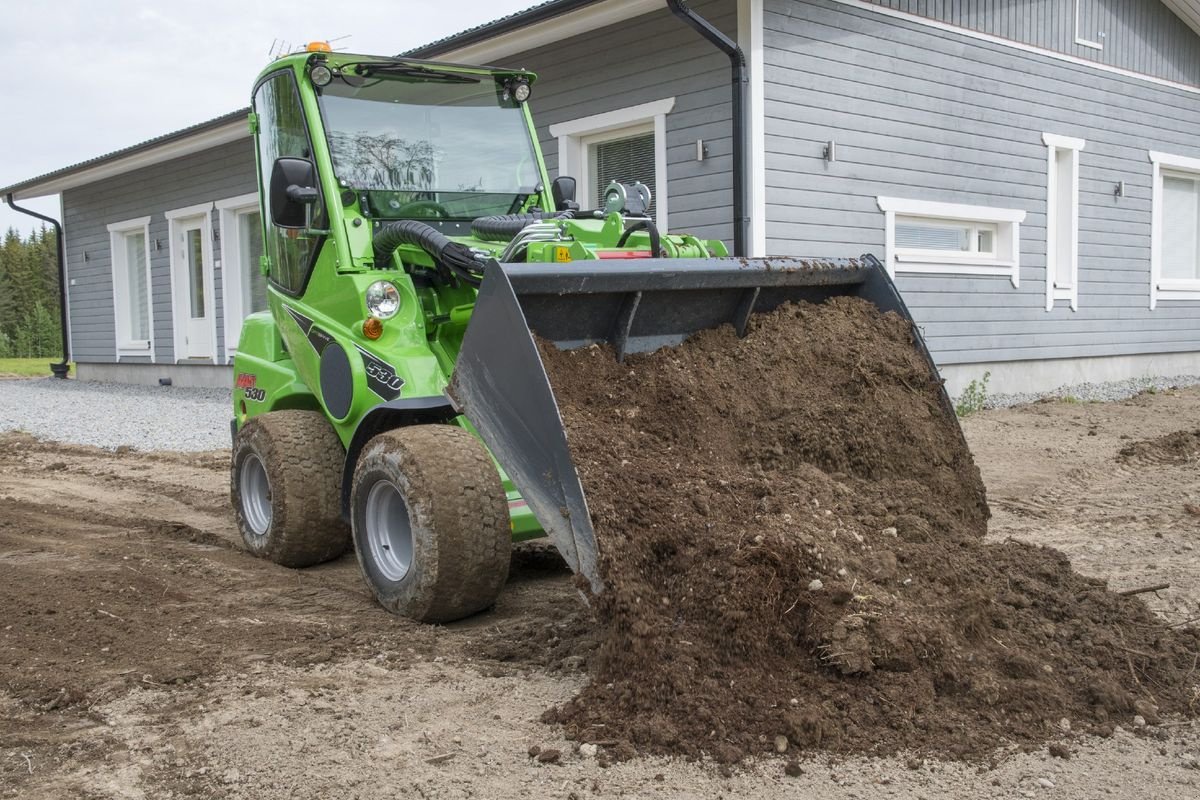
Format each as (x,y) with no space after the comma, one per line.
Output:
(193,273)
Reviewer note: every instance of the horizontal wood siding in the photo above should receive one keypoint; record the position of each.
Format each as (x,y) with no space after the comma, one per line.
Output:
(1139,35)
(649,58)
(216,174)
(928,114)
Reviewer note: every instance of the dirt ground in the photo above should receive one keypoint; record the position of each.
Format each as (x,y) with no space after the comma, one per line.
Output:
(144,655)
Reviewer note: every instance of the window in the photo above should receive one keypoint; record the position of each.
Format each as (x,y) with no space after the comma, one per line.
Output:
(625,157)
(241,264)
(1181,202)
(282,133)
(1062,219)
(626,145)
(1087,24)
(949,238)
(1175,229)
(129,244)
(916,236)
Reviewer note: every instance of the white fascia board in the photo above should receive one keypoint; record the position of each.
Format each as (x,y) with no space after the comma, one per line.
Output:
(1172,161)
(926,208)
(1186,10)
(613,120)
(145,158)
(585,20)
(1064,142)
(1027,48)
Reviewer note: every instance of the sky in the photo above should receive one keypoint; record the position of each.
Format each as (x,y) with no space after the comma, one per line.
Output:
(93,77)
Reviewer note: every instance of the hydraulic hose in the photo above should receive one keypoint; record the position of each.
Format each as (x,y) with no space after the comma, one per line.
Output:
(452,258)
(650,228)
(503,227)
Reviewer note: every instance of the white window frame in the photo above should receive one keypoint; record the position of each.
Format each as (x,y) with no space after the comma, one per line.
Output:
(125,345)
(1162,289)
(178,303)
(574,137)
(1006,261)
(1054,144)
(231,277)
(1080,40)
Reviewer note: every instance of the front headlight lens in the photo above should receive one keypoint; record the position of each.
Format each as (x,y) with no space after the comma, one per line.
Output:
(383,299)
(320,75)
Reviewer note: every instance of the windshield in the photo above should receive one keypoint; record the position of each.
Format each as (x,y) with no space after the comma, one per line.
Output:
(430,148)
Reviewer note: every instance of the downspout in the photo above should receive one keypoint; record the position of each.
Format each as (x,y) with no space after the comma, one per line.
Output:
(741,121)
(61,369)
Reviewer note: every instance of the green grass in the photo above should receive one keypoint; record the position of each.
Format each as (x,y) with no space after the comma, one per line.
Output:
(27,367)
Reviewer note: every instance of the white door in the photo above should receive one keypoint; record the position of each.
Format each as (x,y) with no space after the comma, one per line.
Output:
(193,273)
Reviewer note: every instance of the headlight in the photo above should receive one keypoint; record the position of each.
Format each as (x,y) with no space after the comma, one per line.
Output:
(383,299)
(320,75)
(517,88)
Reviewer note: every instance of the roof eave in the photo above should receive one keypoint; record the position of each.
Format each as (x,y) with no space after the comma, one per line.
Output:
(528,30)
(216,132)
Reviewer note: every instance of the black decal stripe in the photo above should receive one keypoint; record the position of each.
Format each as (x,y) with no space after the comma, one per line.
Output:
(318,338)
(381,376)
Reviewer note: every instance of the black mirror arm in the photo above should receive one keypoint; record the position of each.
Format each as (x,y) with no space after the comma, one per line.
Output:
(302,194)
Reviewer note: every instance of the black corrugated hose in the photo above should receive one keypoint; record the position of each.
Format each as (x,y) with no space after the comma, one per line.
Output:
(452,258)
(503,227)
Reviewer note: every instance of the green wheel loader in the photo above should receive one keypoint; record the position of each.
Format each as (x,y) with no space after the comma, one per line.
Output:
(392,398)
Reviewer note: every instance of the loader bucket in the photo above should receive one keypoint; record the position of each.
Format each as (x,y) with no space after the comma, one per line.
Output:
(501,386)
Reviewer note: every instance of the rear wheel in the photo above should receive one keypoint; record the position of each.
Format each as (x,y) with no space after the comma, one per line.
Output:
(430,523)
(286,488)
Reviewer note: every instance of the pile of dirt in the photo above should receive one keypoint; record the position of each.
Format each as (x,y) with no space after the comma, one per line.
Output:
(1180,447)
(791,530)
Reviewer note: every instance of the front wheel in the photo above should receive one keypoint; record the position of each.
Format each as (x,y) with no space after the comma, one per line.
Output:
(286,485)
(430,523)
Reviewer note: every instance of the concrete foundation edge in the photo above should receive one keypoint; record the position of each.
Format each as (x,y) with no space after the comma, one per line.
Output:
(1020,377)
(1007,377)
(208,376)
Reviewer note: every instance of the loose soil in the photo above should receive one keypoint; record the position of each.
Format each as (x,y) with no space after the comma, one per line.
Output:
(791,529)
(294,684)
(1179,447)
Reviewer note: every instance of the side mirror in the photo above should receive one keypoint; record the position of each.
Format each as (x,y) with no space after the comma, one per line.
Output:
(562,191)
(292,191)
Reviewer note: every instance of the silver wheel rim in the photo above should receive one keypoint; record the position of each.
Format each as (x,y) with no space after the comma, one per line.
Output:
(389,531)
(256,495)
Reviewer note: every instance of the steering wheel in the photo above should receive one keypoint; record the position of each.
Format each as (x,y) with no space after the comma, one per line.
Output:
(422,208)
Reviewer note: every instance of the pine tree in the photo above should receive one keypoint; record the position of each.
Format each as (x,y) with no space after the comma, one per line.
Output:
(29,324)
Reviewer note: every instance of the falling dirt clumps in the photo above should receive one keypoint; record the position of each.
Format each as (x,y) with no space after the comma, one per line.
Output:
(791,530)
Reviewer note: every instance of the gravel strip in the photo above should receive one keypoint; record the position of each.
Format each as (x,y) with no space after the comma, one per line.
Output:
(112,415)
(1096,392)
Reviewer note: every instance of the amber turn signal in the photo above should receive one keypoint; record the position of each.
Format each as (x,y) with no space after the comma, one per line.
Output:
(372,327)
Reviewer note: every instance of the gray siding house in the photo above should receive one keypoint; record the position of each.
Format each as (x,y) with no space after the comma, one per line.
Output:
(1029,171)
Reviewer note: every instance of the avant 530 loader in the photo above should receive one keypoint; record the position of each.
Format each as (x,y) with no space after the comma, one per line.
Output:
(393,396)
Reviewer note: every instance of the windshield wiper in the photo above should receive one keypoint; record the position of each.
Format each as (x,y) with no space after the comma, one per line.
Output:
(402,70)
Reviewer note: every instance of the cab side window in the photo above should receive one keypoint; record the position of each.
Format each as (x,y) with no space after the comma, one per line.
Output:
(281,132)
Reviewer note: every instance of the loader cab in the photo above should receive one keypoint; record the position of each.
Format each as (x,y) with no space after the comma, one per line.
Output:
(431,144)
